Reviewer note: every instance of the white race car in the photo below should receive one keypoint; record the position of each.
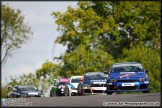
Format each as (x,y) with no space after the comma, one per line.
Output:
(72,86)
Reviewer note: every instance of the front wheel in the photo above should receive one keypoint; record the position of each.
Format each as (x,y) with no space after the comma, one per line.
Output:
(80,90)
(52,95)
(66,91)
(57,93)
(108,93)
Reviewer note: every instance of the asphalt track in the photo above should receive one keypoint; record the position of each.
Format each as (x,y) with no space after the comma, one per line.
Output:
(95,100)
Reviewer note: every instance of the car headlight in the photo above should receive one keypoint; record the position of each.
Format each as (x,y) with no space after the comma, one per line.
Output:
(142,79)
(87,85)
(59,87)
(112,80)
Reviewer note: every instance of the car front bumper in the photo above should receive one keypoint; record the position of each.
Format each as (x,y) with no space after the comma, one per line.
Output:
(23,95)
(74,91)
(94,90)
(127,86)
(61,91)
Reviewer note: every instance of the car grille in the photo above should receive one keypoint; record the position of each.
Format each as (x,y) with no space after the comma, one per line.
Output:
(87,91)
(128,87)
(94,91)
(112,87)
(98,91)
(127,80)
(143,86)
(98,85)
(34,95)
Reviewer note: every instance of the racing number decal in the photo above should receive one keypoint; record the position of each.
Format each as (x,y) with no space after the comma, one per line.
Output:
(125,75)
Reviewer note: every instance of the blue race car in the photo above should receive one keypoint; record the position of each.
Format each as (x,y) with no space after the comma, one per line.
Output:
(92,83)
(127,76)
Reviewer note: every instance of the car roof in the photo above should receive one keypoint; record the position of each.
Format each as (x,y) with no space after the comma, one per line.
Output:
(24,86)
(93,73)
(75,77)
(126,64)
(64,79)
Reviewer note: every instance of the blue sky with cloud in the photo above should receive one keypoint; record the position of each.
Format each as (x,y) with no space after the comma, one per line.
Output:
(31,56)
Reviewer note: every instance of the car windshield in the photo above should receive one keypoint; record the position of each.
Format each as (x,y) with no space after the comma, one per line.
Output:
(94,76)
(128,69)
(28,88)
(62,83)
(76,80)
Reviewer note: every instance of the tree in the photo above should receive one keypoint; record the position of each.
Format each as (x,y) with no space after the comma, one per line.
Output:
(81,61)
(80,32)
(14,32)
(138,22)
(48,70)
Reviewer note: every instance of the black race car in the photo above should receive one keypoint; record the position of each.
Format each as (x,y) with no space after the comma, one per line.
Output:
(25,91)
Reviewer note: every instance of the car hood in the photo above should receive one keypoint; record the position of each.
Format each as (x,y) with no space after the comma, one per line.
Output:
(74,85)
(126,75)
(98,81)
(34,92)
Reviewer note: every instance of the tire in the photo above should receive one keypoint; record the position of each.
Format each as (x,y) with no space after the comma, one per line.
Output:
(66,91)
(12,96)
(51,95)
(80,91)
(147,91)
(58,93)
(108,93)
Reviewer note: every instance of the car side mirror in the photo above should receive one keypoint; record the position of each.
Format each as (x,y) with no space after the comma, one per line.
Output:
(147,71)
(81,79)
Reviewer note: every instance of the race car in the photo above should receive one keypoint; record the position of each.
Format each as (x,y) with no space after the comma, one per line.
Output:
(58,89)
(25,91)
(127,77)
(92,83)
(72,86)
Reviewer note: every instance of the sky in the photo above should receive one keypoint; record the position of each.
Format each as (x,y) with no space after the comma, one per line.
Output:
(31,56)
